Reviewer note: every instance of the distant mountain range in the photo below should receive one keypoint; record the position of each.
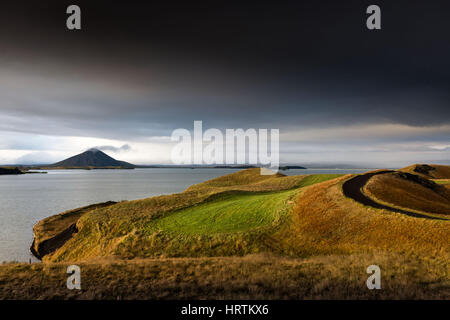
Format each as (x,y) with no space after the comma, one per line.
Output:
(93,158)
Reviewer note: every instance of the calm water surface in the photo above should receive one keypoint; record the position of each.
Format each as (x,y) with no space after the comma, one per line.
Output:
(26,199)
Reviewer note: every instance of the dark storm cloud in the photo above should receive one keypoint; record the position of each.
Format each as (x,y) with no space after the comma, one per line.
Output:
(140,70)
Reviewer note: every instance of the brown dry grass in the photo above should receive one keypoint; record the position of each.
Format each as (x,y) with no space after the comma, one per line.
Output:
(399,192)
(250,277)
(326,222)
(440,172)
(51,226)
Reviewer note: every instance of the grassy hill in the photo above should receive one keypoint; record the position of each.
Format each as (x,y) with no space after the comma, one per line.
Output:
(249,236)
(408,191)
(324,221)
(230,215)
(428,171)
(246,213)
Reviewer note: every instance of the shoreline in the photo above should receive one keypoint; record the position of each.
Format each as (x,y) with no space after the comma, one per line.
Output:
(51,245)
(45,243)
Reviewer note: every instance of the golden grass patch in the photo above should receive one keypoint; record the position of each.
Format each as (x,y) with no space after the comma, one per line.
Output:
(398,191)
(250,277)
(429,171)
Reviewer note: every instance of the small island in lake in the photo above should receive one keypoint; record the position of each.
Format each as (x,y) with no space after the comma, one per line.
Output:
(7,170)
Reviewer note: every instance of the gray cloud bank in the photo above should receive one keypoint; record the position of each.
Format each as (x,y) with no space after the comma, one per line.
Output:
(285,70)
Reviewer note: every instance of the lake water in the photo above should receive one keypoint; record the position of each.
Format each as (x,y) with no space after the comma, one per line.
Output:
(26,199)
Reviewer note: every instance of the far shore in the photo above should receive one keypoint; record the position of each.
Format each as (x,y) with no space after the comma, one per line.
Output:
(16,171)
(238,167)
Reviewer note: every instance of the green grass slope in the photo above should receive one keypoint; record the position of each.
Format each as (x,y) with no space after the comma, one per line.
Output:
(230,215)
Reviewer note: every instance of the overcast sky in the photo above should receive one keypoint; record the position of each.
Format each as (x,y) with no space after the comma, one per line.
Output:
(338,92)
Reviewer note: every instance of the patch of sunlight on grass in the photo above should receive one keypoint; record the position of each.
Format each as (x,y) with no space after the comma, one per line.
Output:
(230,214)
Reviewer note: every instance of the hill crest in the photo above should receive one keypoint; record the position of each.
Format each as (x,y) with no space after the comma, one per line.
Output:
(429,171)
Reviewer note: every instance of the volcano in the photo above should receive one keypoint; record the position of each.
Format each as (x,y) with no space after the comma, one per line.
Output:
(93,158)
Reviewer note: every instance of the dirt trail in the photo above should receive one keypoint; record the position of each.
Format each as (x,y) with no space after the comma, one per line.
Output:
(352,189)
